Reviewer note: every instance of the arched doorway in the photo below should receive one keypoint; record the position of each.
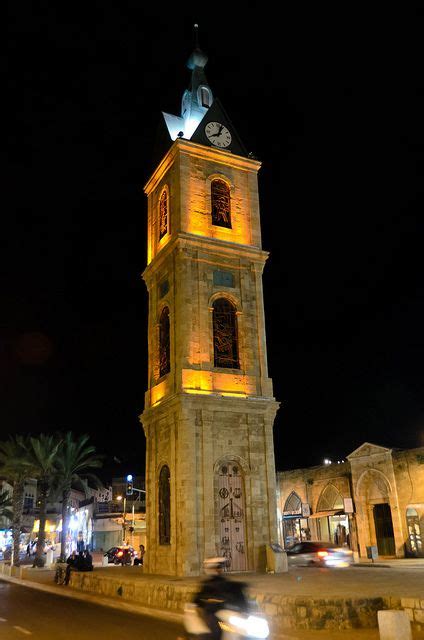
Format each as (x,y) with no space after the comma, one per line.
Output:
(331,522)
(384,529)
(231,516)
(295,526)
(415,543)
(374,495)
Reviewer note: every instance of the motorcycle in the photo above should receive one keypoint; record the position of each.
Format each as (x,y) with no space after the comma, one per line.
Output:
(234,624)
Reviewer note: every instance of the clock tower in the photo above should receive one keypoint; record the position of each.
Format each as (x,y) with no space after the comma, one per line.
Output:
(209,407)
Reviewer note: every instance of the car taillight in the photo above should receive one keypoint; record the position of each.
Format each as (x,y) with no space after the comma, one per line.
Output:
(120,553)
(322,554)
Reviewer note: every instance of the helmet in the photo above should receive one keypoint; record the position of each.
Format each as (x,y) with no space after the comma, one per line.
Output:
(212,565)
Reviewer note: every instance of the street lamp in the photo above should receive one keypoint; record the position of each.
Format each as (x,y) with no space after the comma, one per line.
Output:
(119,498)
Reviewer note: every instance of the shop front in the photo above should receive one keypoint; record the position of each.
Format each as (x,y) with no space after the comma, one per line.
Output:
(295,525)
(80,529)
(331,526)
(414,545)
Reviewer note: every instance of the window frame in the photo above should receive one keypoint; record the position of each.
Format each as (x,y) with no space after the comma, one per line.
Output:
(163,329)
(215,197)
(164,506)
(164,192)
(235,348)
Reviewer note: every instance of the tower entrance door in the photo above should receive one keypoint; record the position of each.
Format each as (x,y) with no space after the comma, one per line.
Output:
(384,530)
(231,515)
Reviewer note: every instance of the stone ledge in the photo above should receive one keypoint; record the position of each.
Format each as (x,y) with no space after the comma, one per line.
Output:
(284,612)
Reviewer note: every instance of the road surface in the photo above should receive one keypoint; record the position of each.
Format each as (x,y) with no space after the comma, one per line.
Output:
(35,615)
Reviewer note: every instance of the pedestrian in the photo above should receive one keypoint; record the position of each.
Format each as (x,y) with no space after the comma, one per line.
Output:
(87,561)
(142,552)
(72,564)
(80,542)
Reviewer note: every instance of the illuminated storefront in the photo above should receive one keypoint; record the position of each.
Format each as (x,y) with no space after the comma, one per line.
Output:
(295,520)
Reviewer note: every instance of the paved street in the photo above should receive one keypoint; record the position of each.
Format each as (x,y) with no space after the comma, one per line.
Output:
(44,616)
(27,613)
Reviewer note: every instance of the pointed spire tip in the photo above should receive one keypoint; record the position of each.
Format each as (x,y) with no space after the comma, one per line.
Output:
(196,35)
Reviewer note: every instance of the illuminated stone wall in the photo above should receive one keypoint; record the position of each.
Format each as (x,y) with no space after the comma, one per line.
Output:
(198,415)
(372,475)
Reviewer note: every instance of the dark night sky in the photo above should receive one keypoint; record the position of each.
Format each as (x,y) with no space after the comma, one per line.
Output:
(333,105)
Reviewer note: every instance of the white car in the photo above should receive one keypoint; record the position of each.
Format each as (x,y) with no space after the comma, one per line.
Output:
(319,553)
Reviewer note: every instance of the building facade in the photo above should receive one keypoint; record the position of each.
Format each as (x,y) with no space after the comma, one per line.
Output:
(374,498)
(209,407)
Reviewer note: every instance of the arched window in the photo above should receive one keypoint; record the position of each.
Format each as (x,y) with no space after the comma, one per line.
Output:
(415,546)
(164,345)
(330,499)
(204,96)
(164,506)
(293,504)
(225,342)
(220,197)
(163,214)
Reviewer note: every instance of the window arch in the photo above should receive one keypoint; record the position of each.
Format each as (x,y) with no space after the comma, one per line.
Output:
(221,201)
(293,504)
(204,96)
(164,343)
(164,506)
(163,214)
(330,499)
(225,335)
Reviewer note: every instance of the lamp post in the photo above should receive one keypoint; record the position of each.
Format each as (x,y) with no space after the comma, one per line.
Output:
(124,514)
(130,489)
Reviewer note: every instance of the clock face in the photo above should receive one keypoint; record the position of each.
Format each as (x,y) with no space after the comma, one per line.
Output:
(218,135)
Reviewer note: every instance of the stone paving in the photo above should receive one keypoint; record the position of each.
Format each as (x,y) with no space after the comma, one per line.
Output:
(355,582)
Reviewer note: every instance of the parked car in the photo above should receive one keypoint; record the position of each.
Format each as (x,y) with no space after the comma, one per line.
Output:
(319,553)
(121,555)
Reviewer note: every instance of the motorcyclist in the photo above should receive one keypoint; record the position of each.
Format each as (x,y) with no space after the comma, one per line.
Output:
(217,592)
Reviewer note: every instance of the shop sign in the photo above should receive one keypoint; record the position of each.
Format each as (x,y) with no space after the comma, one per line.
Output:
(306,510)
(348,505)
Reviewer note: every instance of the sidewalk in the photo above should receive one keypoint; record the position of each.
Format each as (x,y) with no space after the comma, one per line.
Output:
(393,563)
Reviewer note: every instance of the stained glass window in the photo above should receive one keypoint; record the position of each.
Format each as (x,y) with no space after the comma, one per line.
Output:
(220,196)
(163,215)
(164,506)
(164,346)
(225,340)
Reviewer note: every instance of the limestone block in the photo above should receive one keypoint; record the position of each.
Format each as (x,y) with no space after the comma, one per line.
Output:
(394,625)
(419,616)
(271,609)
(408,603)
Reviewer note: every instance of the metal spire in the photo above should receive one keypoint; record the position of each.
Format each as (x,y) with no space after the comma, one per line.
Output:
(196,36)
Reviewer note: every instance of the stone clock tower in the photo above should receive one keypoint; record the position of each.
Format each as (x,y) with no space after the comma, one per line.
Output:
(209,407)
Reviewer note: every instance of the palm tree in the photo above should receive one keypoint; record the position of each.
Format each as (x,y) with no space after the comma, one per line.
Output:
(5,506)
(43,452)
(75,459)
(15,465)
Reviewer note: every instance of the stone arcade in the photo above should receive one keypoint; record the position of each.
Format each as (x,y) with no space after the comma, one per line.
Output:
(209,407)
